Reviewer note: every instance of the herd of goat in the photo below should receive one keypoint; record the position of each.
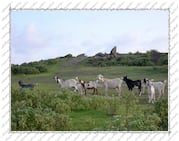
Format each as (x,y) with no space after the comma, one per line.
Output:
(82,86)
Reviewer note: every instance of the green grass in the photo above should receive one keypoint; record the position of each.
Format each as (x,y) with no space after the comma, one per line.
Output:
(46,80)
(90,119)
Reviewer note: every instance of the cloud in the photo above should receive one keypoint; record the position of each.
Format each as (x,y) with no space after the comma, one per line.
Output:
(140,41)
(31,44)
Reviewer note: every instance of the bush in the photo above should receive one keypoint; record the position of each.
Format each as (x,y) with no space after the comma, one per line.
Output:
(79,102)
(161,109)
(90,122)
(31,68)
(144,122)
(62,108)
(41,68)
(97,103)
(37,110)
(136,122)
(51,61)
(62,122)
(112,106)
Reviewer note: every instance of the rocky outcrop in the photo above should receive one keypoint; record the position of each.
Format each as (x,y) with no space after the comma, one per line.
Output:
(113,54)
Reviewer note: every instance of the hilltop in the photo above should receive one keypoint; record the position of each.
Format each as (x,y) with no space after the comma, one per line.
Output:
(150,58)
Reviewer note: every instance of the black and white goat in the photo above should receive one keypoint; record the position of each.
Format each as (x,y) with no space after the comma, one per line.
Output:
(132,83)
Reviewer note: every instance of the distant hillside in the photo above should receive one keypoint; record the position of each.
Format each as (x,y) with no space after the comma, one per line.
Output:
(75,60)
(150,58)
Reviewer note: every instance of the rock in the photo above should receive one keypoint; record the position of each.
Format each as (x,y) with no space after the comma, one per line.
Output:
(113,53)
(100,54)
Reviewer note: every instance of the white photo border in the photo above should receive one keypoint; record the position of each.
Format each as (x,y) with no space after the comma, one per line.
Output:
(5,69)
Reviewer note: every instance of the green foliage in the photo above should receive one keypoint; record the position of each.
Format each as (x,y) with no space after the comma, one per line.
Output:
(79,102)
(41,68)
(130,102)
(150,58)
(135,60)
(17,69)
(97,102)
(135,119)
(39,110)
(90,122)
(136,122)
(161,108)
(31,68)
(36,110)
(112,106)
(51,61)
(144,122)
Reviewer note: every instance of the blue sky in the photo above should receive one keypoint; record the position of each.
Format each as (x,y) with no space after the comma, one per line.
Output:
(40,34)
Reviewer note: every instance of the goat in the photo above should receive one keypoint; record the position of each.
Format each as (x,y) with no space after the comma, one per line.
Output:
(88,85)
(131,84)
(159,86)
(24,85)
(151,92)
(143,86)
(70,83)
(110,83)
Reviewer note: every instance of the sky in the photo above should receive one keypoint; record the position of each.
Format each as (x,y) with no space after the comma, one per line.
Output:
(43,34)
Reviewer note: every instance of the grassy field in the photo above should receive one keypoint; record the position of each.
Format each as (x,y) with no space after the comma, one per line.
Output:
(96,118)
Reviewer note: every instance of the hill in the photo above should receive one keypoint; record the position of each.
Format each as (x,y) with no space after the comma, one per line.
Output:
(150,58)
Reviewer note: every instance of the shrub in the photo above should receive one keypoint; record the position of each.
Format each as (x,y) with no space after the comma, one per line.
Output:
(161,109)
(30,68)
(112,106)
(90,122)
(136,122)
(62,122)
(97,103)
(78,102)
(41,68)
(61,107)
(33,110)
(144,122)
(117,124)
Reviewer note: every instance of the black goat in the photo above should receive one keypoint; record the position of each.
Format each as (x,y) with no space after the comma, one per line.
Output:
(23,85)
(131,84)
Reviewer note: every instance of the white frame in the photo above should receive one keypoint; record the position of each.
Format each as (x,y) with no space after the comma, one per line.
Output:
(5,75)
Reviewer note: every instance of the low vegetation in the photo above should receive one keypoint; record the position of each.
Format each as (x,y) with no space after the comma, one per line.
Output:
(48,107)
(150,58)
(38,110)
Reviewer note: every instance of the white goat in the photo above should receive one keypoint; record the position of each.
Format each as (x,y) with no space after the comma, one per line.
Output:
(159,86)
(151,92)
(70,83)
(111,83)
